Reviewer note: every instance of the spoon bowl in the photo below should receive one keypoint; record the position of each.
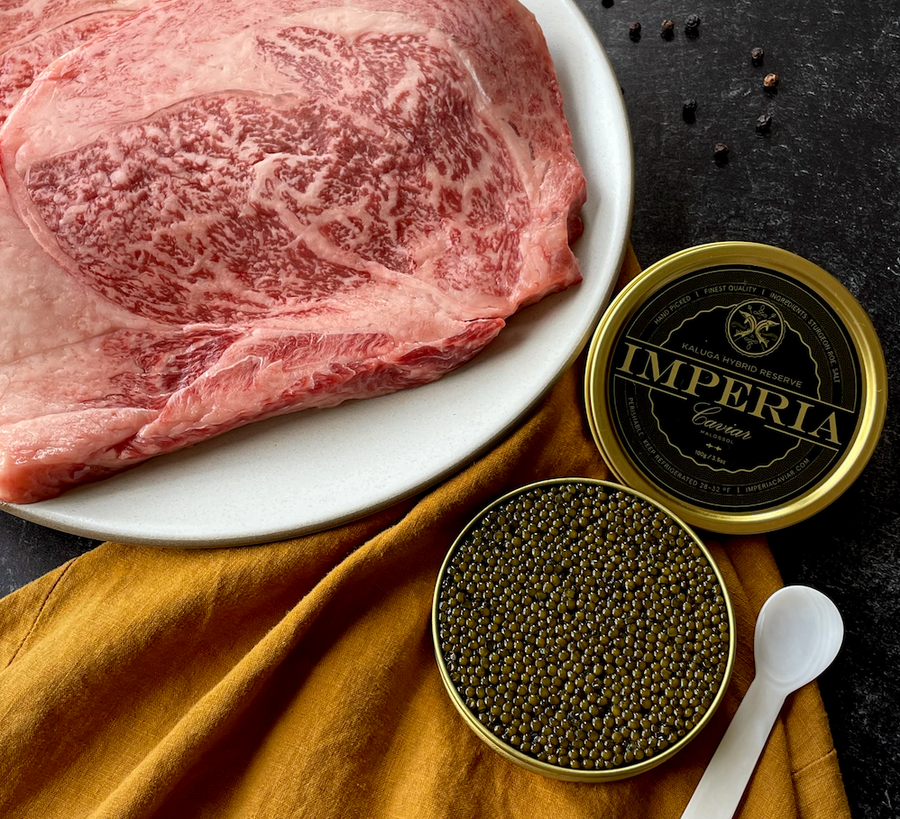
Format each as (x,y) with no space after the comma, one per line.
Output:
(798,634)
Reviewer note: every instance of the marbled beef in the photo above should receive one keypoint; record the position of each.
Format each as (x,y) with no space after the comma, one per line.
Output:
(216,212)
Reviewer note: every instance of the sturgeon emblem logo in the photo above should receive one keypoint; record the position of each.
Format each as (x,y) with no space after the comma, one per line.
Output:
(755,327)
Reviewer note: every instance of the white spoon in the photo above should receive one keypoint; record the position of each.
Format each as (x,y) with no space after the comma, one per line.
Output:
(798,634)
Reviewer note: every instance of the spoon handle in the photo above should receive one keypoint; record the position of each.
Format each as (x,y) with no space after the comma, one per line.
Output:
(723,783)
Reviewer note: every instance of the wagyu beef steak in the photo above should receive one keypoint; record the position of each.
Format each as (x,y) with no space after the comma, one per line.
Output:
(216,212)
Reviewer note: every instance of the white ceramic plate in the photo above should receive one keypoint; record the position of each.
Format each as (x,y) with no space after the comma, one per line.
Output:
(316,469)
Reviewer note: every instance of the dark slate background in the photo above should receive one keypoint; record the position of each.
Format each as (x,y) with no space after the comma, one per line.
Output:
(823,183)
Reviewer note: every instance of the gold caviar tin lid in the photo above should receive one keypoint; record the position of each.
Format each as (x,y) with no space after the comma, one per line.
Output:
(582,630)
(739,383)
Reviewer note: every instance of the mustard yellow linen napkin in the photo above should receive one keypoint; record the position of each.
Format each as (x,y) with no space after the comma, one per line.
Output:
(297,679)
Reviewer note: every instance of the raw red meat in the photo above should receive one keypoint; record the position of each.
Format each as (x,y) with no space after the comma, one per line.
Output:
(21,62)
(23,21)
(219,212)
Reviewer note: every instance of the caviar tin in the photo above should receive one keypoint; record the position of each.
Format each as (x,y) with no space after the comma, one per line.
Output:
(582,630)
(739,383)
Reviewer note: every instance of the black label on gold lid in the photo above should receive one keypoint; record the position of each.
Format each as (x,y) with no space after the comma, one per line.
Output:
(735,388)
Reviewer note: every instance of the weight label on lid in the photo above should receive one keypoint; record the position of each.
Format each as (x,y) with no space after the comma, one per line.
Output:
(735,388)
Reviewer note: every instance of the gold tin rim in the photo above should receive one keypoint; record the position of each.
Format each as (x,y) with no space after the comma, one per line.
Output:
(545,768)
(873,374)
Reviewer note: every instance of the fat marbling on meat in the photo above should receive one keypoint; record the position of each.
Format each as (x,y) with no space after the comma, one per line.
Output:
(219,212)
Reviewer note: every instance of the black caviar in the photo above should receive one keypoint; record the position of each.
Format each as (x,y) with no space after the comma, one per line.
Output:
(582,626)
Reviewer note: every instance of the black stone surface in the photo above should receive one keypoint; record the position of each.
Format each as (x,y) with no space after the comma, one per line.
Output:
(822,181)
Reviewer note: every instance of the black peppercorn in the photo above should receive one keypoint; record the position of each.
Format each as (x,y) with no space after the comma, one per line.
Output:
(756,55)
(689,110)
(720,152)
(634,31)
(692,25)
(764,123)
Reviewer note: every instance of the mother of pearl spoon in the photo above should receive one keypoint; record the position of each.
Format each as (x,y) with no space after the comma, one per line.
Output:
(798,634)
